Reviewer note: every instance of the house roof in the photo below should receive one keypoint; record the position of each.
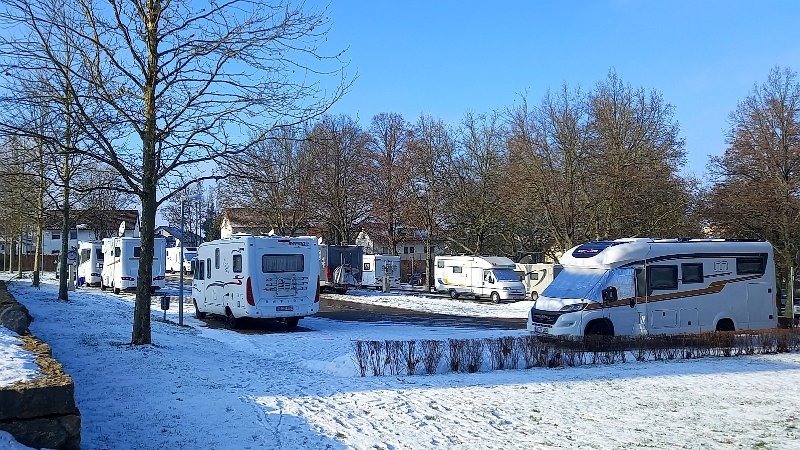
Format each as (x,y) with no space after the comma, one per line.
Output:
(245,218)
(176,233)
(94,219)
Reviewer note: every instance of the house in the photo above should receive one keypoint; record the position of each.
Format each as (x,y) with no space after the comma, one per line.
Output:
(173,235)
(411,246)
(243,220)
(87,225)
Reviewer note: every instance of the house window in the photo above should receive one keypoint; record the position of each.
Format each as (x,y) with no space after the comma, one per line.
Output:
(73,235)
(56,236)
(237,263)
(137,252)
(408,250)
(692,273)
(367,267)
(384,250)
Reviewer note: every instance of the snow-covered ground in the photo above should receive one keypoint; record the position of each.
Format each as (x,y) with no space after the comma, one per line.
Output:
(214,388)
(438,304)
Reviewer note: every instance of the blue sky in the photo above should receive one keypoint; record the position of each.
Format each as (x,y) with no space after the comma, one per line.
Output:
(445,58)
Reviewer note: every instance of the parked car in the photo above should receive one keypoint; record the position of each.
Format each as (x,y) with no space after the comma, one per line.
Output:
(416,279)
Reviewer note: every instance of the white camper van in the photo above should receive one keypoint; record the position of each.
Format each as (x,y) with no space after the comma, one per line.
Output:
(340,267)
(121,263)
(260,277)
(658,286)
(375,267)
(536,277)
(490,277)
(174,259)
(90,262)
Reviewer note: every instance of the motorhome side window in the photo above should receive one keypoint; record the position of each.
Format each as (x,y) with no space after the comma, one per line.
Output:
(366,266)
(663,277)
(440,264)
(237,263)
(199,269)
(85,255)
(99,254)
(137,251)
(750,265)
(457,269)
(117,251)
(282,263)
(208,268)
(216,258)
(692,273)
(533,276)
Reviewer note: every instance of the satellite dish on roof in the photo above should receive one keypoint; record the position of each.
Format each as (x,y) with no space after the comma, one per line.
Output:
(122,229)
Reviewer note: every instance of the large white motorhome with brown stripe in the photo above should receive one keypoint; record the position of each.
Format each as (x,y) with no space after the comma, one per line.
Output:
(658,286)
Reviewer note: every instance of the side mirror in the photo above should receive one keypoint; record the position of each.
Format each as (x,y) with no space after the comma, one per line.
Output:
(609,294)
(633,302)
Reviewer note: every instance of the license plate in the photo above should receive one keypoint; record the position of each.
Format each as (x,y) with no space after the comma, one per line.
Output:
(540,329)
(283,308)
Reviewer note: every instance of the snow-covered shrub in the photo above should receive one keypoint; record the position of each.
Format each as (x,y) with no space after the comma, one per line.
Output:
(360,354)
(432,353)
(410,358)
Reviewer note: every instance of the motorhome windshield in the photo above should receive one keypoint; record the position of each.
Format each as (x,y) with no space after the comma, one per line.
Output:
(575,283)
(189,256)
(582,283)
(505,275)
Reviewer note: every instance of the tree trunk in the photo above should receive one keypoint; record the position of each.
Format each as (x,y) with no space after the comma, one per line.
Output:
(21,252)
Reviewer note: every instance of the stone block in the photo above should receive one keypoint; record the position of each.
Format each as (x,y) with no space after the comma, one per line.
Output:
(62,432)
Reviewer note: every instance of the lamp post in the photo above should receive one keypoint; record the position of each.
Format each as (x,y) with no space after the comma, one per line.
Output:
(184,198)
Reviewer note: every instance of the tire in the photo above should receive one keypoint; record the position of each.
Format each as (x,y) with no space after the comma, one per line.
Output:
(102,286)
(495,298)
(291,322)
(453,294)
(231,321)
(116,291)
(534,295)
(197,313)
(341,291)
(598,329)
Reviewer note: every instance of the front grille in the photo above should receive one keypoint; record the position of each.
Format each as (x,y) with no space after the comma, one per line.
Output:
(544,317)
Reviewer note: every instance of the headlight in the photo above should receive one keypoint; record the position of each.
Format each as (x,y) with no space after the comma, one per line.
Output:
(506,288)
(574,307)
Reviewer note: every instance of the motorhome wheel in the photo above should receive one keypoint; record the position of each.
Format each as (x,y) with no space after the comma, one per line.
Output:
(453,294)
(197,313)
(232,322)
(495,298)
(116,291)
(291,322)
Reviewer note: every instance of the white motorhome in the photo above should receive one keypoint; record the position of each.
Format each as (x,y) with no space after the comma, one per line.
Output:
(259,277)
(121,263)
(90,262)
(489,277)
(174,259)
(376,267)
(658,286)
(340,267)
(536,277)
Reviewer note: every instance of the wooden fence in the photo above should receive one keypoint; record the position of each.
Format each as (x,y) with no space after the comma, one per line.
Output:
(48,262)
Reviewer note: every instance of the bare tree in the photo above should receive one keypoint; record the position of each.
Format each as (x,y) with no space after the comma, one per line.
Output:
(635,158)
(386,150)
(168,85)
(549,144)
(428,183)
(274,180)
(757,189)
(337,151)
(478,201)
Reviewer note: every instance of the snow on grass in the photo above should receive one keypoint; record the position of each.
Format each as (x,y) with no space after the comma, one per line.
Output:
(16,364)
(215,388)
